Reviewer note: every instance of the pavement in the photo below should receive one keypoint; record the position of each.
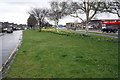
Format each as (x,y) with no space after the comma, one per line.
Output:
(81,31)
(104,35)
(9,43)
(2,34)
(98,31)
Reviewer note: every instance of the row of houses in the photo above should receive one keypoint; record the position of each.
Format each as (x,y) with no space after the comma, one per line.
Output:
(12,25)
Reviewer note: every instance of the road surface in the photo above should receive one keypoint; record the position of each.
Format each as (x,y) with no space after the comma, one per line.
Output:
(8,42)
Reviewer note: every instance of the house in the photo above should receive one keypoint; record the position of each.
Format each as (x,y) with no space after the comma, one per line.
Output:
(22,26)
(1,24)
(5,24)
(0,27)
(98,24)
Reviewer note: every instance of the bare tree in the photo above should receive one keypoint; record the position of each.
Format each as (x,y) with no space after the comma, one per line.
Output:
(113,7)
(57,11)
(88,8)
(39,14)
(31,21)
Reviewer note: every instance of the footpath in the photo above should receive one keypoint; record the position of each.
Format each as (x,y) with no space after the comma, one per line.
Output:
(2,34)
(97,34)
(96,31)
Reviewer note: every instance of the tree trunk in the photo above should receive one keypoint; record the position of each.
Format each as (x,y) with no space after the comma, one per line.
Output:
(119,35)
(86,30)
(40,26)
(87,22)
(118,14)
(57,26)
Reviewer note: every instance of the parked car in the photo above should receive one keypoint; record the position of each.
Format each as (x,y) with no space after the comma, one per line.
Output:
(73,28)
(9,30)
(18,28)
(4,30)
(109,29)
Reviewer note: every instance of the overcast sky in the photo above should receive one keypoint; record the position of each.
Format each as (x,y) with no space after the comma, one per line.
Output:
(15,11)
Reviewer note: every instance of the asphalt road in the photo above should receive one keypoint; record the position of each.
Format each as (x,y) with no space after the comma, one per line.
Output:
(8,42)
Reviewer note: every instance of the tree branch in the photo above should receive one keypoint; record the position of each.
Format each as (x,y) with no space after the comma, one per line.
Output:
(93,15)
(77,17)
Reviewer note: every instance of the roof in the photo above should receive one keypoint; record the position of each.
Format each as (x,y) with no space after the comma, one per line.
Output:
(111,20)
(111,23)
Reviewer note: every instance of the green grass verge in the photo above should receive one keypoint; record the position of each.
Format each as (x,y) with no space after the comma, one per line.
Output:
(49,55)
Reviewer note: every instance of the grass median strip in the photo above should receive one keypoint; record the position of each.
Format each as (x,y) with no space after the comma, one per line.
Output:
(49,55)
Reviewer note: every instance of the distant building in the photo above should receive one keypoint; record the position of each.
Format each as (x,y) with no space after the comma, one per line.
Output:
(0,27)
(97,24)
(71,25)
(12,25)
(111,22)
(5,24)
(0,24)
(22,26)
